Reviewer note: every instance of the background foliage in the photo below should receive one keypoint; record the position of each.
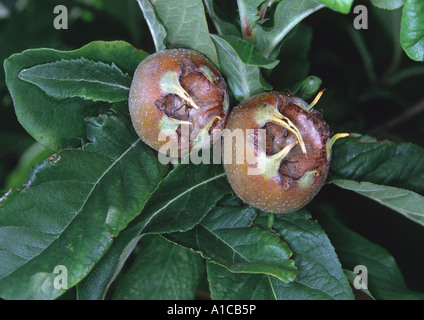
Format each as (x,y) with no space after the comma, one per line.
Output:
(81,207)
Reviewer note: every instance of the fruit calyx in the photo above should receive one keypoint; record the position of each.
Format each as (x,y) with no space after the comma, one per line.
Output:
(296,141)
(195,96)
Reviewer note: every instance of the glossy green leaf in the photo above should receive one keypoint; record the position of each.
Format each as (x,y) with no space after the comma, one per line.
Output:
(385,280)
(244,80)
(388,4)
(156,28)
(412,29)
(227,238)
(82,78)
(181,201)
(72,207)
(160,271)
(406,202)
(56,123)
(287,15)
(320,272)
(342,6)
(186,26)
(363,158)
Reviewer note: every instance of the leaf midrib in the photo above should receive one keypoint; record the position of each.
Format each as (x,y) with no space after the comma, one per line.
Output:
(227,244)
(177,197)
(164,272)
(241,66)
(385,200)
(93,81)
(81,208)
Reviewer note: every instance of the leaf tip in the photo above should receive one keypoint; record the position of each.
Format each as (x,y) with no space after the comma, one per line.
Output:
(21,73)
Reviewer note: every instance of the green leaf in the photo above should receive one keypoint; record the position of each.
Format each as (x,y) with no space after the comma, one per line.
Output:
(80,78)
(363,158)
(156,28)
(385,280)
(352,277)
(183,198)
(72,207)
(12,145)
(248,54)
(412,29)
(179,203)
(405,74)
(388,4)
(186,26)
(223,27)
(227,238)
(226,285)
(244,80)
(320,272)
(342,6)
(96,284)
(160,271)
(58,124)
(249,10)
(287,15)
(365,54)
(307,88)
(293,54)
(35,154)
(387,172)
(406,202)
(249,14)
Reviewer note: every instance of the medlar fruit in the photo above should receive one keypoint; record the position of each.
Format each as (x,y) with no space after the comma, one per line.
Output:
(291,165)
(175,88)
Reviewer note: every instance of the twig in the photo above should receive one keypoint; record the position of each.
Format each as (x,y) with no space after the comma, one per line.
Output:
(401,119)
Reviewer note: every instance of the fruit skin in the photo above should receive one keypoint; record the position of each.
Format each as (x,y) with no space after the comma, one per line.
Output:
(285,191)
(148,97)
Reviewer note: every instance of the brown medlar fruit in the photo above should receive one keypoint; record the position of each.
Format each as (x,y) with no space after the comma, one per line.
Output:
(291,165)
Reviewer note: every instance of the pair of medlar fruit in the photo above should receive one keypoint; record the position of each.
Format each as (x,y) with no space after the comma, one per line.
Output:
(179,89)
